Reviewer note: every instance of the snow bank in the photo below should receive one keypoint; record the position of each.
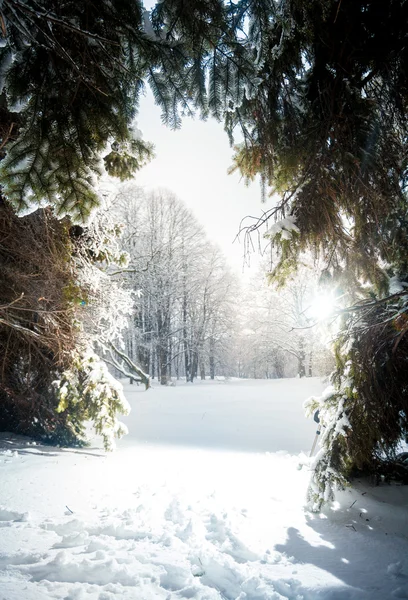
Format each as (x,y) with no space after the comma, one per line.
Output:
(165,520)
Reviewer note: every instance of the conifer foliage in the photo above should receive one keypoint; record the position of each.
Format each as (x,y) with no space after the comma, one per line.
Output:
(327,131)
(71,74)
(36,325)
(54,322)
(319,90)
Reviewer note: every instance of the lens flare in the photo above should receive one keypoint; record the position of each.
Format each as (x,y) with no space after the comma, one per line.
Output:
(322,307)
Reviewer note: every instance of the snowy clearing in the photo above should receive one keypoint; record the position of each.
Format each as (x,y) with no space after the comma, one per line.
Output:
(204,499)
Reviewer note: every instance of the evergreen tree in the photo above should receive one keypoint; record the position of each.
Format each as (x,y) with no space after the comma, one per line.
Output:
(319,91)
(71,75)
(60,314)
(327,130)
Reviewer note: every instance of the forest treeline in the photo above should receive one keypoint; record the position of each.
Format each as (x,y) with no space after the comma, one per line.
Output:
(193,315)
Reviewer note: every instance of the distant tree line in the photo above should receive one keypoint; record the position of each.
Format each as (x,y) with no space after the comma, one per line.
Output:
(185,311)
(192,317)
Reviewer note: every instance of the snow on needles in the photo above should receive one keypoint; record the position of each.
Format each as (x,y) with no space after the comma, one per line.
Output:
(285,227)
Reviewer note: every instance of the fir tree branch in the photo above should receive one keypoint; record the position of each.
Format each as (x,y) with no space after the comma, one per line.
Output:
(121,369)
(66,25)
(144,378)
(7,136)
(367,304)
(5,306)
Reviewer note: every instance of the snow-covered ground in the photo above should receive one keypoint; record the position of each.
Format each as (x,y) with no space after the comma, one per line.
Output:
(204,499)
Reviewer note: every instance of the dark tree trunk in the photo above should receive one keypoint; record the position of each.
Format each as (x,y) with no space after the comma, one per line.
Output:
(194,367)
(212,359)
(278,364)
(169,362)
(202,370)
(187,365)
(301,359)
(163,358)
(153,363)
(177,365)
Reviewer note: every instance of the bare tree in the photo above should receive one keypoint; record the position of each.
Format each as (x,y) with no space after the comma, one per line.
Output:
(278,338)
(183,285)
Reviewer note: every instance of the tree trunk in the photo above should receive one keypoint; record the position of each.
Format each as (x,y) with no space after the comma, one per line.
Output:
(187,365)
(143,358)
(301,359)
(163,359)
(153,363)
(279,368)
(194,367)
(311,364)
(212,359)
(177,365)
(169,362)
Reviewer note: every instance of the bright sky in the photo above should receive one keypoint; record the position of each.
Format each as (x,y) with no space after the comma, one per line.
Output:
(192,162)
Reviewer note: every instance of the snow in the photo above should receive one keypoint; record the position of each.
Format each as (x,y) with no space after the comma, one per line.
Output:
(396,286)
(285,227)
(204,499)
(148,27)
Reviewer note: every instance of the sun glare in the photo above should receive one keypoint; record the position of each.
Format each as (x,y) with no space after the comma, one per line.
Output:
(322,307)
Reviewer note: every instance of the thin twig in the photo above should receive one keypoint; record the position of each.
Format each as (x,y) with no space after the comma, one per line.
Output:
(61,22)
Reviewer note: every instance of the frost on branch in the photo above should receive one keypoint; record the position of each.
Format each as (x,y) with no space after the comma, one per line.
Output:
(58,308)
(364,416)
(285,227)
(88,392)
(328,466)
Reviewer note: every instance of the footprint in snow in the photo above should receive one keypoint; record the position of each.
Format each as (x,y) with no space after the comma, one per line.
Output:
(11,515)
(221,535)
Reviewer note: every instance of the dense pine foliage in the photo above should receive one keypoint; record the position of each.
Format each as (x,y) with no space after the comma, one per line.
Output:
(55,319)
(71,77)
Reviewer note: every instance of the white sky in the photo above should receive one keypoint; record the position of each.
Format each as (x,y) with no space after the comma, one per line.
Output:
(192,162)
